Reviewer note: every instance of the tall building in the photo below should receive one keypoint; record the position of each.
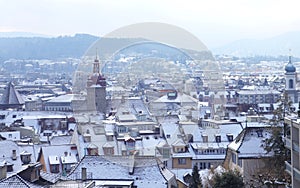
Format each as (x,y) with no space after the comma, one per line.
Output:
(96,90)
(292,165)
(292,127)
(291,81)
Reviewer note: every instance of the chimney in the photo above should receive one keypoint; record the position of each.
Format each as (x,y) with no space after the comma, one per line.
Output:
(83,174)
(3,171)
(14,154)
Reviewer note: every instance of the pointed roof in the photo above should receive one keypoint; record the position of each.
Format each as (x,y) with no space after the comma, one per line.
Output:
(17,181)
(11,96)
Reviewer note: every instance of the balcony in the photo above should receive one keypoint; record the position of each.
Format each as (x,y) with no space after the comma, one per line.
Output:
(296,174)
(288,167)
(288,143)
(295,147)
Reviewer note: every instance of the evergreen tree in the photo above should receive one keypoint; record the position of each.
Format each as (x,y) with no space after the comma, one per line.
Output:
(275,167)
(275,145)
(230,179)
(196,181)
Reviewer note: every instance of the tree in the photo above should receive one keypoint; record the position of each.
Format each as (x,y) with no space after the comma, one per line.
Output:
(196,181)
(229,179)
(274,145)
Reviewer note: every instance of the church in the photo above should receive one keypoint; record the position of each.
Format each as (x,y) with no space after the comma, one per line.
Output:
(291,82)
(92,97)
(96,90)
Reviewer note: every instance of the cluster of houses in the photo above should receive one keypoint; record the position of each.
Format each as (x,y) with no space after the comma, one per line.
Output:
(152,135)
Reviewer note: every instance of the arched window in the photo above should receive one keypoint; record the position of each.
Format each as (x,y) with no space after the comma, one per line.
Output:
(291,84)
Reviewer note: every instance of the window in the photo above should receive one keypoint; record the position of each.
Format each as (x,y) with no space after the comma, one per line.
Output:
(166,152)
(9,135)
(291,84)
(218,138)
(240,162)
(182,161)
(230,137)
(165,163)
(233,158)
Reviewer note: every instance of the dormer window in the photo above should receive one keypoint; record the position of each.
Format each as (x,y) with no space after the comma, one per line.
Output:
(230,137)
(218,138)
(25,157)
(205,138)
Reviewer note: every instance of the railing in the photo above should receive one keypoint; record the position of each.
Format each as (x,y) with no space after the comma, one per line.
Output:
(288,143)
(78,176)
(296,174)
(295,147)
(288,167)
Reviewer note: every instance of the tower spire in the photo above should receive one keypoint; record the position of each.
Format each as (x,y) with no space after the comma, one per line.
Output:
(96,64)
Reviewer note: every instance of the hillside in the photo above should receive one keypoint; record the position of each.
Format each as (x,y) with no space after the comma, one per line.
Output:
(275,46)
(44,48)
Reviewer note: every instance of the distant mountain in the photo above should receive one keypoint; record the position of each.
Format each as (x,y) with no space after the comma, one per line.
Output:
(275,46)
(45,48)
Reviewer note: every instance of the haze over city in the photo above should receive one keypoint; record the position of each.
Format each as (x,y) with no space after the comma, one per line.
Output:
(214,22)
(143,94)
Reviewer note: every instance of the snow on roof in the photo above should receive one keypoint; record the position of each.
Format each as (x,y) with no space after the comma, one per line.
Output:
(209,145)
(171,131)
(126,117)
(33,149)
(30,117)
(194,130)
(6,154)
(223,130)
(50,177)
(179,142)
(69,159)
(181,98)
(62,99)
(147,146)
(249,142)
(11,96)
(60,140)
(58,151)
(53,160)
(98,138)
(17,182)
(182,155)
(146,171)
(105,183)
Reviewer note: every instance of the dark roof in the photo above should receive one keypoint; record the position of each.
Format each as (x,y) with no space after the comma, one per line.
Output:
(11,97)
(17,182)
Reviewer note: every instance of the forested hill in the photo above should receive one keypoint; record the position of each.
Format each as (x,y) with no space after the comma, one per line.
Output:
(45,48)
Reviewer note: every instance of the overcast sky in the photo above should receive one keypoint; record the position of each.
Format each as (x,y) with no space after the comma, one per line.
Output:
(215,22)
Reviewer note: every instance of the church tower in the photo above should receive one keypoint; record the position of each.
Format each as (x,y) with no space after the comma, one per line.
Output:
(291,81)
(96,89)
